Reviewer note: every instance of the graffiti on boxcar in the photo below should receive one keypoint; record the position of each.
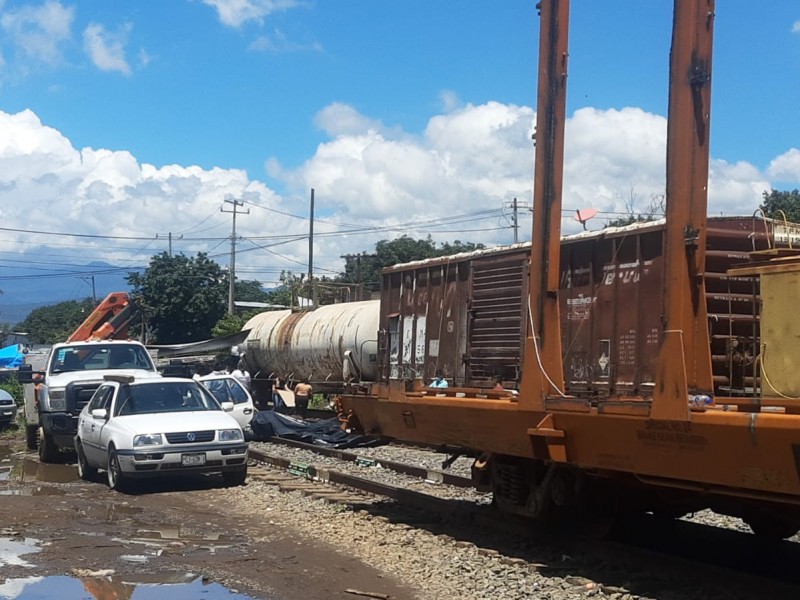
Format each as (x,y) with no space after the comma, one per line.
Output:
(419,345)
(408,332)
(580,367)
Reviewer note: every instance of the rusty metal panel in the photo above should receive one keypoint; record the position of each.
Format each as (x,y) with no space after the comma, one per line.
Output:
(462,315)
(610,285)
(612,307)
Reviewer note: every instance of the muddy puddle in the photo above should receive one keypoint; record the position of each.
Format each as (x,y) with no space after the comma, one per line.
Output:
(15,550)
(160,586)
(101,585)
(25,470)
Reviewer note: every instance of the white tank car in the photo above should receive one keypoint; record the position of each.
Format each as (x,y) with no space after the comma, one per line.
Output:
(330,345)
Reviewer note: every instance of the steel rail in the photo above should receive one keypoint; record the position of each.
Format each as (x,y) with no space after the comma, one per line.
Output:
(432,475)
(401,494)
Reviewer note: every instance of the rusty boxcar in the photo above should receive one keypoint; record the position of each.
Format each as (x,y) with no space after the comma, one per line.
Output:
(465,314)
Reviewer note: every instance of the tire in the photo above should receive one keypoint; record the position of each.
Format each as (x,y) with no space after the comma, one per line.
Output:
(32,436)
(234,478)
(85,470)
(48,451)
(116,479)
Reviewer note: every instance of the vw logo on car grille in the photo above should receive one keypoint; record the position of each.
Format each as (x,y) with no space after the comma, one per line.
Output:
(190,436)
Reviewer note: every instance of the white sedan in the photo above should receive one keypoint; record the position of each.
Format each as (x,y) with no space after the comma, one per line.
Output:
(157,427)
(226,388)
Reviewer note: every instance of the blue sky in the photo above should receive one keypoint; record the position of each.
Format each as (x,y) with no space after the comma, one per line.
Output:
(131,119)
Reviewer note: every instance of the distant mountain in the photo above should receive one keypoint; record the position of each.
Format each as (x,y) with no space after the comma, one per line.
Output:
(29,289)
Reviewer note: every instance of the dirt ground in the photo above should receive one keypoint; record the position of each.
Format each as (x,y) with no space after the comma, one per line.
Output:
(165,528)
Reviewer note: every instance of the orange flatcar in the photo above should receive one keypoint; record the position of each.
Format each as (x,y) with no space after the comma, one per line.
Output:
(683,397)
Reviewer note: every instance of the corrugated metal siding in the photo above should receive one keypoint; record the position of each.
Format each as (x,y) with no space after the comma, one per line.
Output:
(497,316)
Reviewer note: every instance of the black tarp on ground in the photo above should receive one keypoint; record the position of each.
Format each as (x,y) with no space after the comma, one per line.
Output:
(268,423)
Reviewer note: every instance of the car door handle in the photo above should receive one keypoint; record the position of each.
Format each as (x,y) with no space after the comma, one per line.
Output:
(247,411)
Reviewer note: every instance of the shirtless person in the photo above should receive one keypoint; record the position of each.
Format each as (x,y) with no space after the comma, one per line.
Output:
(302,394)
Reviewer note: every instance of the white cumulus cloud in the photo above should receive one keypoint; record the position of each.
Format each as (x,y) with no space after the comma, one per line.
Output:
(465,164)
(106,49)
(796,27)
(46,181)
(786,167)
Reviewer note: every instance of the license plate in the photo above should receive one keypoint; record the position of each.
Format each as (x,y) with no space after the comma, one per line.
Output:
(193,460)
(6,413)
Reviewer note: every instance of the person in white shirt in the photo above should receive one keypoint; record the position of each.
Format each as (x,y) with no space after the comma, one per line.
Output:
(241,375)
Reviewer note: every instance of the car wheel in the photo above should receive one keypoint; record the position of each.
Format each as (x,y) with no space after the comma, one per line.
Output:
(85,470)
(116,480)
(234,478)
(48,452)
(32,436)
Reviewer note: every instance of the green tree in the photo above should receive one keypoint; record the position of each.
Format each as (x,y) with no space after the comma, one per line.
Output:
(55,323)
(229,324)
(366,268)
(180,298)
(250,291)
(788,202)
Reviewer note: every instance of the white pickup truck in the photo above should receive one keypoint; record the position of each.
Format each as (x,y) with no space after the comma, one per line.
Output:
(55,396)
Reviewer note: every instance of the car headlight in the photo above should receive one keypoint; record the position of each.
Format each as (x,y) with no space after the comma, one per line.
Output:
(58,399)
(148,439)
(229,435)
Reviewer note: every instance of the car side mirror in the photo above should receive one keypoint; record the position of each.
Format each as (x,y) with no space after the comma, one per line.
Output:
(25,374)
(227,406)
(100,413)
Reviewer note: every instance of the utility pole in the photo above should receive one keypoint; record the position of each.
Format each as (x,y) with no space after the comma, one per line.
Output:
(313,288)
(169,235)
(94,291)
(232,274)
(515,222)
(515,206)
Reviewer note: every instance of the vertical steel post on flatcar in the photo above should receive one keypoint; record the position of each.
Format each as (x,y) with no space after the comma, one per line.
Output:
(543,373)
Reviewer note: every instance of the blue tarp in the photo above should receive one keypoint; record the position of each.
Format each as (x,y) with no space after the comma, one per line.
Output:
(268,423)
(11,357)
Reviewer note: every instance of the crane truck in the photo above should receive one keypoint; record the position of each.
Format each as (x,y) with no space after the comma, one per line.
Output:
(73,370)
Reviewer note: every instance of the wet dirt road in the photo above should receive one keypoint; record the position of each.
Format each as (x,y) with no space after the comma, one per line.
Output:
(64,538)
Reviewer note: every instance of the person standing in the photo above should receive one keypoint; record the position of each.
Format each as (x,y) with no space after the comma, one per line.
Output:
(241,375)
(302,394)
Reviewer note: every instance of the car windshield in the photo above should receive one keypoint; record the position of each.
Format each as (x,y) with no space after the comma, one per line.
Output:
(100,356)
(163,397)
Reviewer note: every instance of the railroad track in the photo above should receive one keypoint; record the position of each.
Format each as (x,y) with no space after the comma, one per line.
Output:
(737,559)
